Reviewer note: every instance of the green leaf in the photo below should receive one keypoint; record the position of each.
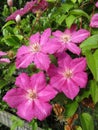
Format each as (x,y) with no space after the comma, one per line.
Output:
(3,83)
(96,63)
(78,128)
(74,1)
(87,121)
(69,20)
(66,7)
(91,62)
(79,12)
(71,108)
(94,91)
(90,43)
(61,19)
(8,23)
(11,40)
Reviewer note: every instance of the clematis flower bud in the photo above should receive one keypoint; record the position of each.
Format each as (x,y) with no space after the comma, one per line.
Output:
(10,2)
(18,18)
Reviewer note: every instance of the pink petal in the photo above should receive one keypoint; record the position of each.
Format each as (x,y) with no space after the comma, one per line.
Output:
(96,4)
(14,97)
(38,81)
(35,38)
(64,60)
(57,82)
(57,33)
(2,53)
(42,109)
(80,79)
(22,51)
(4,60)
(73,48)
(45,36)
(94,21)
(23,81)
(70,89)
(24,60)
(52,71)
(26,110)
(80,36)
(78,64)
(47,94)
(42,61)
(71,30)
(51,46)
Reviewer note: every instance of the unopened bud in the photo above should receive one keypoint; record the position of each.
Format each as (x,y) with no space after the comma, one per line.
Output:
(10,2)
(18,18)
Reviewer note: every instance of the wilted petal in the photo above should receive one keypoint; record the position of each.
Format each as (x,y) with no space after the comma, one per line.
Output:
(35,38)
(14,97)
(80,79)
(80,36)
(42,61)
(94,21)
(45,36)
(4,60)
(38,81)
(26,111)
(23,81)
(42,110)
(73,48)
(78,64)
(70,89)
(47,94)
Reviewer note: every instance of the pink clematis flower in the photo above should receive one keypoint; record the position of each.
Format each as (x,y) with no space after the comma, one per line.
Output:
(3,60)
(31,96)
(33,5)
(96,4)
(69,76)
(94,21)
(37,51)
(70,38)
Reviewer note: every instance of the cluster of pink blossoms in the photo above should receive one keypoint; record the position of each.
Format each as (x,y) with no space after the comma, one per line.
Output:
(32,95)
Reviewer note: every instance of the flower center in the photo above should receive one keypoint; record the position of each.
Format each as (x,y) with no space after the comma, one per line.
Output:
(65,38)
(35,47)
(31,95)
(68,73)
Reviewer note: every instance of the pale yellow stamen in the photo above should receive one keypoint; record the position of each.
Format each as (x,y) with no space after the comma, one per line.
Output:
(65,38)
(31,95)
(35,47)
(68,73)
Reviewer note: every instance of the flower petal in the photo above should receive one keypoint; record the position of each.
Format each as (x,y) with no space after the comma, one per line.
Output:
(2,53)
(14,97)
(73,48)
(42,109)
(80,36)
(38,81)
(47,94)
(71,30)
(70,89)
(57,34)
(51,46)
(45,36)
(24,60)
(22,51)
(42,61)
(94,21)
(26,110)
(4,60)
(35,38)
(80,79)
(78,64)
(23,81)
